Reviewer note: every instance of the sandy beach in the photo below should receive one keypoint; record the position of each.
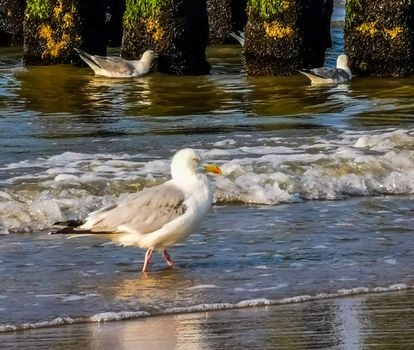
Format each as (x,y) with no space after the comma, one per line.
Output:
(370,321)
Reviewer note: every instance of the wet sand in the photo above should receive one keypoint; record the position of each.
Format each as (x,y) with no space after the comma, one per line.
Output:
(380,321)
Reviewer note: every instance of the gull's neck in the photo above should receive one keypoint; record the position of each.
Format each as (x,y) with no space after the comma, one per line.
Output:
(142,65)
(185,175)
(344,66)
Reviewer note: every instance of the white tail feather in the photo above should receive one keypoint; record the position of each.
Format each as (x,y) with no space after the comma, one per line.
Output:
(316,80)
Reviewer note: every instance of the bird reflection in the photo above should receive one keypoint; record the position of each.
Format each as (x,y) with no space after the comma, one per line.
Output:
(105,92)
(166,286)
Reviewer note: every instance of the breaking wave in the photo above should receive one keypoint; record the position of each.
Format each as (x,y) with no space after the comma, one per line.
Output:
(265,171)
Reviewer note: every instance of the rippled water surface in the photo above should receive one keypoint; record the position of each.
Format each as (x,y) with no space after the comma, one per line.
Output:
(316,194)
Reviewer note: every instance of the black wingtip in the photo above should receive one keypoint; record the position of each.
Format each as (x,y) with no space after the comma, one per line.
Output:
(63,231)
(66,227)
(69,223)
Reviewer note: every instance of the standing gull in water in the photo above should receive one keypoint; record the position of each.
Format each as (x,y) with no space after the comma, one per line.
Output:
(325,75)
(117,67)
(158,217)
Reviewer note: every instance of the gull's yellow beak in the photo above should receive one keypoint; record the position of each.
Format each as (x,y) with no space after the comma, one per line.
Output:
(212,168)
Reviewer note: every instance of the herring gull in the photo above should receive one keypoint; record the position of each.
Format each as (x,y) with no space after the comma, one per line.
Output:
(324,75)
(117,67)
(239,37)
(156,218)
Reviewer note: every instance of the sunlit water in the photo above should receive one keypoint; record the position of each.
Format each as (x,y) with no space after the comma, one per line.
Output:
(316,194)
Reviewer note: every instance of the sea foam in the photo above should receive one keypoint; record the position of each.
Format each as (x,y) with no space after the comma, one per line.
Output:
(268,171)
(109,316)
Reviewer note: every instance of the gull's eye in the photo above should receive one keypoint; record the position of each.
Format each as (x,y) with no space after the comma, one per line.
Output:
(196,161)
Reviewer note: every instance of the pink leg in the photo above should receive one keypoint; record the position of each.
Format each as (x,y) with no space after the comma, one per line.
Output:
(148,256)
(167,258)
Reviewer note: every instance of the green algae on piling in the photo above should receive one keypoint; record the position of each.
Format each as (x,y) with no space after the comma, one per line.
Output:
(38,9)
(51,30)
(143,26)
(283,36)
(379,37)
(177,30)
(148,12)
(142,9)
(268,9)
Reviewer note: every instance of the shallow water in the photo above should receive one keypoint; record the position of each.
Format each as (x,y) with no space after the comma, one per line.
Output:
(240,253)
(316,194)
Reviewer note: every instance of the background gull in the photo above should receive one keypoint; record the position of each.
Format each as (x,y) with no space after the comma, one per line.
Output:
(240,37)
(117,67)
(157,217)
(324,75)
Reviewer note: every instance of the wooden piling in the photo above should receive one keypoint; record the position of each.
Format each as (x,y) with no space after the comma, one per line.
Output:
(219,21)
(11,22)
(283,36)
(379,37)
(52,28)
(177,30)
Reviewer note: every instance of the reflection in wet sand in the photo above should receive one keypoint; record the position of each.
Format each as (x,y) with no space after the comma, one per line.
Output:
(380,321)
(160,285)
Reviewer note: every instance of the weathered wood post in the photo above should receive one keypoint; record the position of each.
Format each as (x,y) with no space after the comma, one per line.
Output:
(379,37)
(11,22)
(283,36)
(225,16)
(176,29)
(52,28)
(219,21)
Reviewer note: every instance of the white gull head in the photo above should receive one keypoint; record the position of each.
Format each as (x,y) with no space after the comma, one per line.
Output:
(187,168)
(143,65)
(185,164)
(148,56)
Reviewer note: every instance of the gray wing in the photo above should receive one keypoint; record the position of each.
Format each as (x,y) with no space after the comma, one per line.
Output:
(340,76)
(337,74)
(323,72)
(143,212)
(114,64)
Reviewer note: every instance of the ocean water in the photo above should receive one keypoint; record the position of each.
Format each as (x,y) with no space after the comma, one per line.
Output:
(315,200)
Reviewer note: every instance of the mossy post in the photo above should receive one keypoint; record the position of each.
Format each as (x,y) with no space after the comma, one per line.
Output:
(379,37)
(51,31)
(283,36)
(11,22)
(225,16)
(52,28)
(176,29)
